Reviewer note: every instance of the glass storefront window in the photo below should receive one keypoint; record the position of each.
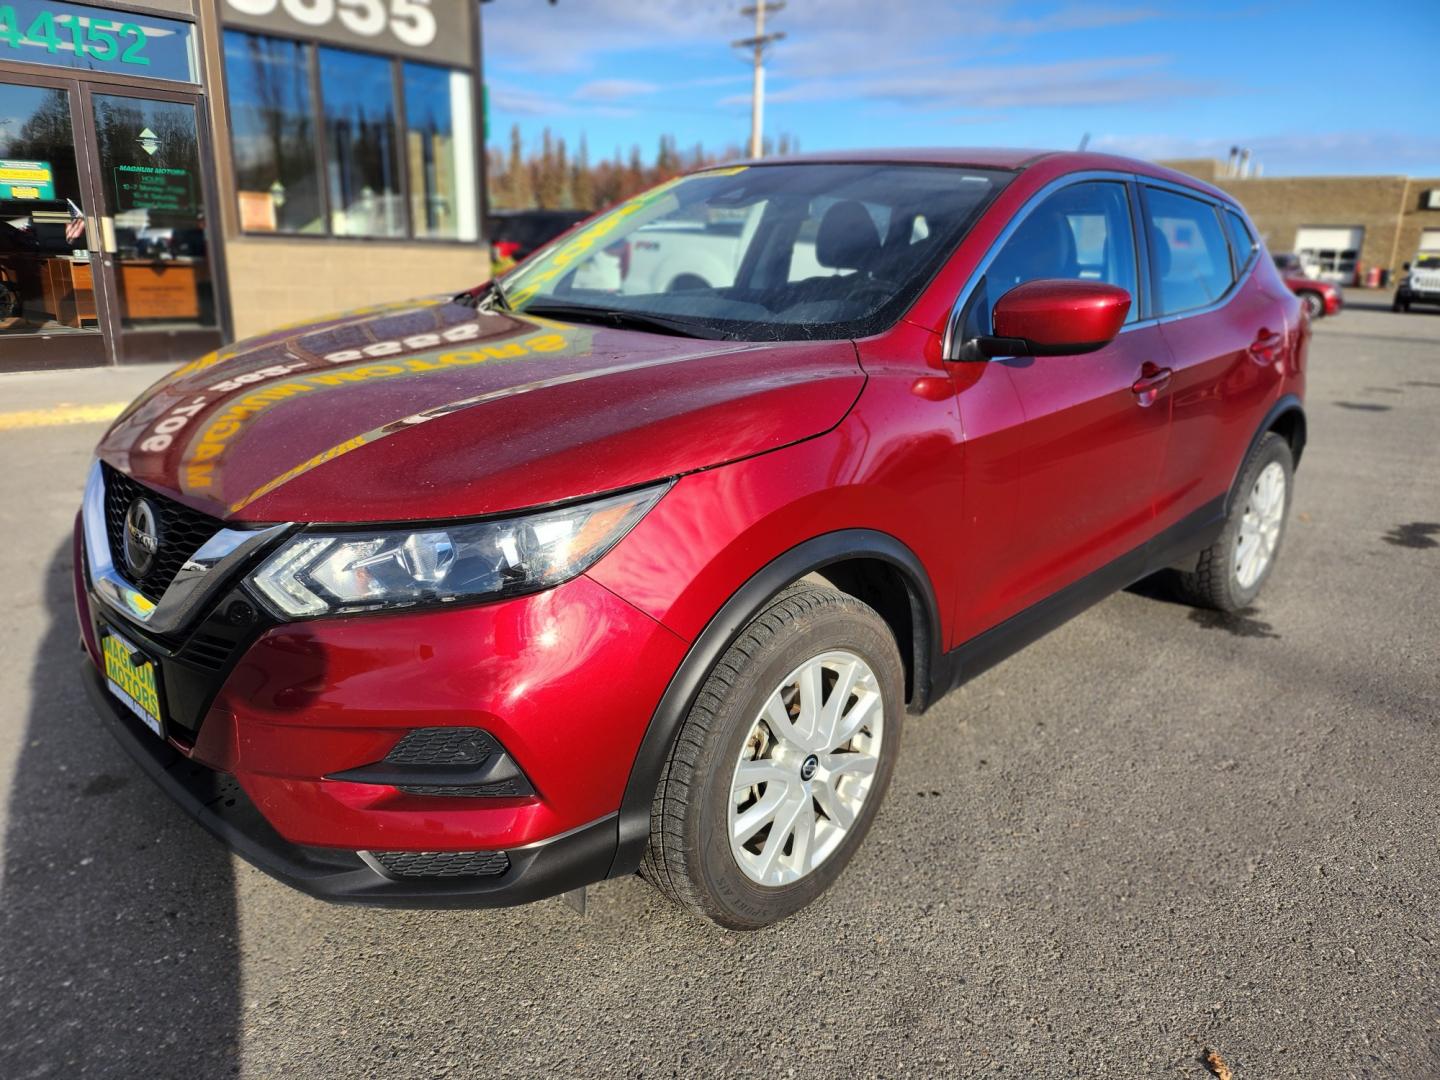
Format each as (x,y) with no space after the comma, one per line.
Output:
(46,285)
(346,160)
(440,152)
(92,39)
(277,173)
(362,164)
(150,174)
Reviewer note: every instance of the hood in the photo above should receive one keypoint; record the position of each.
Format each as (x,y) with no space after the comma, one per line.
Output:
(432,409)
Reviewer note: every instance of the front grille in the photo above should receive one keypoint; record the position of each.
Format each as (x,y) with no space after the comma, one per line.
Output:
(182,532)
(208,651)
(442,864)
(443,746)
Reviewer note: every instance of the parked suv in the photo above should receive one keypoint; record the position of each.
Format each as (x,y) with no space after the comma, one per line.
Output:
(1420,284)
(479,600)
(1320,298)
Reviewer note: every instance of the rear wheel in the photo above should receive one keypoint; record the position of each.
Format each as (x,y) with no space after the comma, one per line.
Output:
(1229,574)
(781,765)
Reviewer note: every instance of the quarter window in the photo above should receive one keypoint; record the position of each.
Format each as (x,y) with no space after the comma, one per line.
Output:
(1188,248)
(1242,240)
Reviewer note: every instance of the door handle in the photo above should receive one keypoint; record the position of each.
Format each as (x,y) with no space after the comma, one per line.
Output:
(1152,380)
(1264,346)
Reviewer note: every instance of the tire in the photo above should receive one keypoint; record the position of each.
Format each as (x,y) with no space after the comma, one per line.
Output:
(690,857)
(1314,304)
(1224,578)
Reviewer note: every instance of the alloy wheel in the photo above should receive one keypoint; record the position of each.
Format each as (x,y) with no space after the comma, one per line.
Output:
(1260,525)
(806,768)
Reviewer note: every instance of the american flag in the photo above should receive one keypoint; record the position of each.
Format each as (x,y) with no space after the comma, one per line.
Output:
(75,227)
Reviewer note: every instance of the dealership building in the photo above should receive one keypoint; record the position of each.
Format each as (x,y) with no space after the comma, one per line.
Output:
(175,174)
(1340,226)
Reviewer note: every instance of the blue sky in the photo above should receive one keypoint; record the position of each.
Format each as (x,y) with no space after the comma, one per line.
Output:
(1312,86)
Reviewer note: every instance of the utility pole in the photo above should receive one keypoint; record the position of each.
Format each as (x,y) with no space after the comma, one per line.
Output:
(758,43)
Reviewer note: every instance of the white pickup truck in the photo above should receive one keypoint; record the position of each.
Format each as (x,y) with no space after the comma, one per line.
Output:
(671,256)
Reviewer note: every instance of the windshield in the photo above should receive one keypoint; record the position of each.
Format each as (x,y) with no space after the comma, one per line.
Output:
(766,252)
(1427,262)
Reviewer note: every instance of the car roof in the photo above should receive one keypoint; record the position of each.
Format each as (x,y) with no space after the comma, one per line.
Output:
(994,157)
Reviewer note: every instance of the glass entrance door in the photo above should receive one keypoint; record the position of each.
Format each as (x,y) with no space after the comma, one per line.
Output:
(156,232)
(51,310)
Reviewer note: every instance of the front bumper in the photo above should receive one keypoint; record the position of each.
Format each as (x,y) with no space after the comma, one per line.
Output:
(218,803)
(290,721)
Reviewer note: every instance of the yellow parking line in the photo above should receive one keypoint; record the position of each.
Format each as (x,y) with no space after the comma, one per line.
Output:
(61,414)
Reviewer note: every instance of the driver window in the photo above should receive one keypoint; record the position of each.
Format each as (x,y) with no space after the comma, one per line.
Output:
(1082,231)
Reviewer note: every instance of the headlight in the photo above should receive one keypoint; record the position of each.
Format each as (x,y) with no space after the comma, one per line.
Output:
(327,573)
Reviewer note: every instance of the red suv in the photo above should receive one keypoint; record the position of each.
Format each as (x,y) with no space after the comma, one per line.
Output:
(478,600)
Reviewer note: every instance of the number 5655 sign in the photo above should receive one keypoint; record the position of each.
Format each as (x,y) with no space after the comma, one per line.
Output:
(438,30)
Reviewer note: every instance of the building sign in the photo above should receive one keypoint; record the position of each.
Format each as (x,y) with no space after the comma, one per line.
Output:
(93,39)
(150,187)
(26,179)
(439,31)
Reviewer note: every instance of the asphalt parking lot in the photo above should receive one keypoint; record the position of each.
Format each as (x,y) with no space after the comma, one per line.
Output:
(1157,833)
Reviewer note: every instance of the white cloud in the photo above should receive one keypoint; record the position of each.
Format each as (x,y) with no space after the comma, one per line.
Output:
(614,89)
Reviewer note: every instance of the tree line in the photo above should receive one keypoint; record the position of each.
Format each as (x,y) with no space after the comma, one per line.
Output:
(550,177)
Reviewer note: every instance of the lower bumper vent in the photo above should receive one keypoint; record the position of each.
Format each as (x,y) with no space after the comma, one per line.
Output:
(441,864)
(459,762)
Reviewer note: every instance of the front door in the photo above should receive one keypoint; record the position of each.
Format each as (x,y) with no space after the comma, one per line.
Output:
(156,244)
(52,312)
(1064,451)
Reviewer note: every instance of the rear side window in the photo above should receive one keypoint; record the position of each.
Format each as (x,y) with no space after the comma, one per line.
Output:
(1189,251)
(1082,231)
(1242,240)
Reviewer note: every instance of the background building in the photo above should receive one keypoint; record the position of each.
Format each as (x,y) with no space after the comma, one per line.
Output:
(1338,225)
(178,173)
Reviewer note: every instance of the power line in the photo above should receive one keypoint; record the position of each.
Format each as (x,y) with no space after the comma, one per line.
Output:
(758,44)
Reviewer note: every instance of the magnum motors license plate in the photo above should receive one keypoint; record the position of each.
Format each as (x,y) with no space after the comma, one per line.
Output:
(131,677)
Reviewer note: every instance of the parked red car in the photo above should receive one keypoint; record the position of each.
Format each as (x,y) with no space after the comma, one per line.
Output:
(1320,298)
(479,600)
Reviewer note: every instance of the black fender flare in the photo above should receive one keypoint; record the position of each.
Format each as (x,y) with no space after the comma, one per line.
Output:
(707,648)
(1288,403)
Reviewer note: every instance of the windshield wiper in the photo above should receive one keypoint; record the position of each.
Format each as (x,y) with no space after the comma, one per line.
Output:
(492,293)
(619,319)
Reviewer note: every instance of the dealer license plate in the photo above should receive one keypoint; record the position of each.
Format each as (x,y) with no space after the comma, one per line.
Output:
(131,676)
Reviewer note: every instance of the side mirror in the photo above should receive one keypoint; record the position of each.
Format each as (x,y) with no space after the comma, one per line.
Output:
(1052,317)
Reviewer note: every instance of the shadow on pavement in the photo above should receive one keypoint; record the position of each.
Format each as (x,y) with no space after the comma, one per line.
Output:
(118,953)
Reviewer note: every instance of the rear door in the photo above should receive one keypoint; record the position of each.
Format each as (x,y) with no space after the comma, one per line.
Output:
(1063,457)
(1225,331)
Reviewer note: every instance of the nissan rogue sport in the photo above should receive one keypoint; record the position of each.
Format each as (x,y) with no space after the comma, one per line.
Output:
(477,600)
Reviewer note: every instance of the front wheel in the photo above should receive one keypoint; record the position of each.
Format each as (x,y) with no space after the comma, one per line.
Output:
(1314,304)
(1229,574)
(780,767)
